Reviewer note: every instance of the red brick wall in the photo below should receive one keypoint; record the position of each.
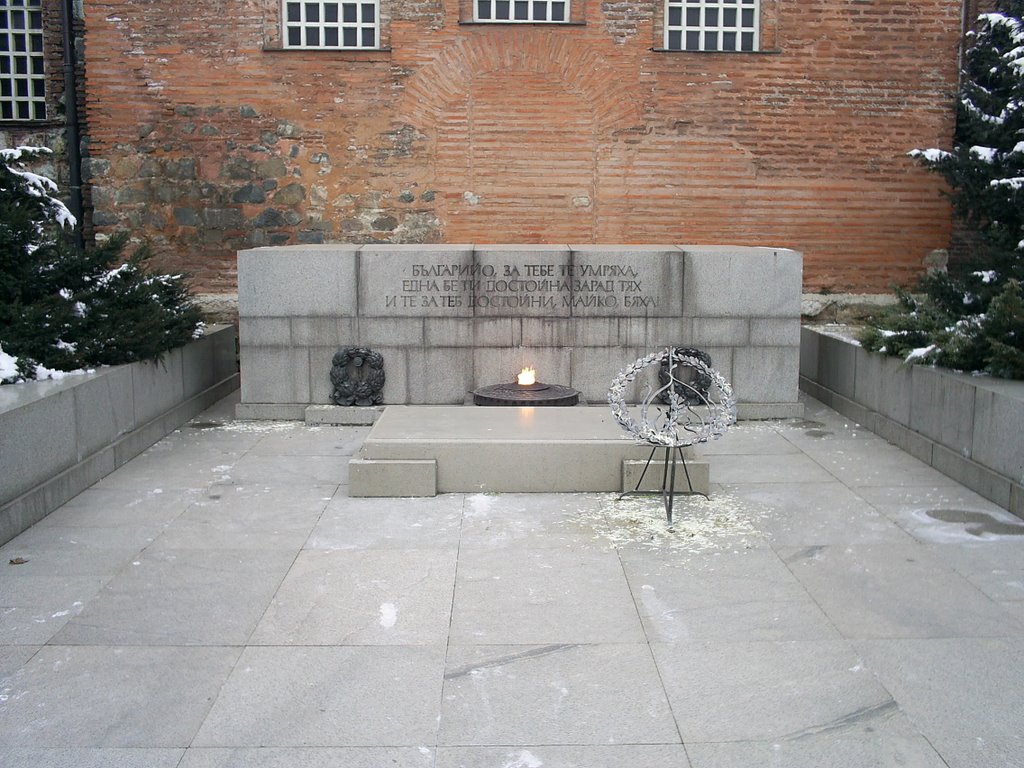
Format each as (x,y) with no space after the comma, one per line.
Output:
(204,139)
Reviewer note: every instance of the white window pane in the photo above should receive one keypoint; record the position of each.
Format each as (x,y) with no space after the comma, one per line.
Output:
(324,24)
(711,25)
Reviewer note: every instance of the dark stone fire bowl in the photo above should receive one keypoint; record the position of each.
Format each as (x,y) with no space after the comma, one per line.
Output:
(526,394)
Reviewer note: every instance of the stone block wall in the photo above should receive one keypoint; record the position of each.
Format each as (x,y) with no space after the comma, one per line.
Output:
(59,437)
(969,427)
(206,137)
(452,318)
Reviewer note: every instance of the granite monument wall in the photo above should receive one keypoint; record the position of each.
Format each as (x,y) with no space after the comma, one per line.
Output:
(452,318)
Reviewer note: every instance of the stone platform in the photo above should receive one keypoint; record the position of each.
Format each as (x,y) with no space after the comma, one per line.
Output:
(425,450)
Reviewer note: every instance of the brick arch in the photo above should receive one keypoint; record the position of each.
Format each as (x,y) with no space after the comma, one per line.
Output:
(581,71)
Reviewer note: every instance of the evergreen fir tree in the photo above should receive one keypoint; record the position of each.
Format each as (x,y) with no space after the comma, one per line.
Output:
(62,308)
(965,318)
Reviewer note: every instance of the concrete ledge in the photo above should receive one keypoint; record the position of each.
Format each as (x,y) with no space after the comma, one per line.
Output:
(271,411)
(393,478)
(525,450)
(59,437)
(968,427)
(763,411)
(339,415)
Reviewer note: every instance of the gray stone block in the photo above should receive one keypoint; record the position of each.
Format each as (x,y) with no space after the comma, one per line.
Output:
(389,331)
(809,343)
(37,441)
(396,371)
(999,429)
(852,410)
(320,364)
(440,375)
(225,351)
(297,281)
(448,331)
(723,361)
(775,332)
(1017,500)
(883,384)
(736,281)
(992,485)
(522,280)
(914,443)
(157,386)
(416,281)
(197,367)
(369,478)
(644,281)
(28,509)
(265,331)
(837,365)
(594,369)
(651,333)
(497,332)
(335,332)
(275,375)
(548,331)
(103,410)
(720,332)
(766,374)
(608,331)
(942,407)
(139,439)
(814,390)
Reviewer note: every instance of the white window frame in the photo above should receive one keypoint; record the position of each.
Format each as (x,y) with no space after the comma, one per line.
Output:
(537,11)
(689,28)
(23,62)
(323,27)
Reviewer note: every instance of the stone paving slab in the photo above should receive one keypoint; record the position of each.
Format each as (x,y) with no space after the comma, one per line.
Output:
(221,602)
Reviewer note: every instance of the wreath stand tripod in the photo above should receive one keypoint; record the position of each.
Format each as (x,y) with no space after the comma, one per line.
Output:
(668,479)
(693,414)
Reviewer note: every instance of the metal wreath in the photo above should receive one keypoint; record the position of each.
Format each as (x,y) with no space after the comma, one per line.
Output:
(696,418)
(365,388)
(695,391)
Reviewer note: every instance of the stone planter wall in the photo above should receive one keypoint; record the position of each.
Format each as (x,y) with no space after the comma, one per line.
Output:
(59,437)
(969,427)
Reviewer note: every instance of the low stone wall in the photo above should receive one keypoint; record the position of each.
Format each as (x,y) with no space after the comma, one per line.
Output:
(59,437)
(451,318)
(968,427)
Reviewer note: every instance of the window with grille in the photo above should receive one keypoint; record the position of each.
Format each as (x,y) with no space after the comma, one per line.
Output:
(322,24)
(22,79)
(521,10)
(712,25)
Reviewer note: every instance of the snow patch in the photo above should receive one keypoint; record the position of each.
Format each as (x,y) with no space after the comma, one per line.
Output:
(987,275)
(929,155)
(524,759)
(699,525)
(921,352)
(388,615)
(480,504)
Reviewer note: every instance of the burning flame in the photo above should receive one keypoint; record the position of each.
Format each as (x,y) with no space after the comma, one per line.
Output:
(527,377)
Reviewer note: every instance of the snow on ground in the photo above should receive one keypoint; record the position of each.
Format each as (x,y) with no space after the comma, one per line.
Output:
(723,522)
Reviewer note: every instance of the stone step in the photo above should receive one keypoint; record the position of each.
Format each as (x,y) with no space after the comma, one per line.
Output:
(502,449)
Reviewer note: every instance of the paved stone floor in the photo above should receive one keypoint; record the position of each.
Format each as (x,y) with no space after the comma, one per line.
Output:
(219,602)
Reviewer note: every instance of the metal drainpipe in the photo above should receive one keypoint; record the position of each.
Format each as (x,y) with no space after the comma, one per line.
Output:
(71,118)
